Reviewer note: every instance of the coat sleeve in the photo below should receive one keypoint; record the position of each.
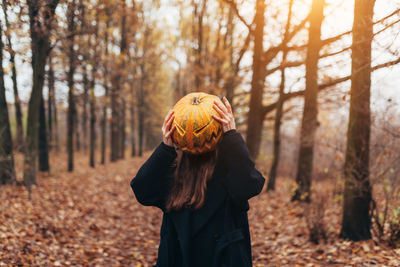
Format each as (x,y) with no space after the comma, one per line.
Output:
(243,180)
(151,183)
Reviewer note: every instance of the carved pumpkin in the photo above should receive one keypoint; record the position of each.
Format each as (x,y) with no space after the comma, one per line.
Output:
(196,131)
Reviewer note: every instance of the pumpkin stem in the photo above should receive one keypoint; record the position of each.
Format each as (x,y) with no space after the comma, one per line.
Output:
(196,100)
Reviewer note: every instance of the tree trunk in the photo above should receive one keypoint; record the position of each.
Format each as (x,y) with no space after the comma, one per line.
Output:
(255,116)
(117,102)
(92,103)
(50,95)
(230,83)
(122,129)
(40,29)
(71,115)
(18,111)
(84,120)
(52,107)
(106,96)
(115,112)
(310,111)
(279,109)
(141,109)
(70,127)
(7,171)
(132,121)
(104,125)
(44,165)
(141,129)
(123,47)
(356,222)
(77,130)
(92,123)
(277,138)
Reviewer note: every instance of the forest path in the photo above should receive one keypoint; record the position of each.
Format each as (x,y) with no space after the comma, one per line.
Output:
(91,217)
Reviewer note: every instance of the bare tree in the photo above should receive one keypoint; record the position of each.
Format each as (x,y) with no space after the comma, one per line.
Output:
(71,115)
(18,111)
(279,108)
(356,221)
(7,171)
(310,111)
(41,23)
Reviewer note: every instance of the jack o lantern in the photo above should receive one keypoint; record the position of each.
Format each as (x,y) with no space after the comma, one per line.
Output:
(196,131)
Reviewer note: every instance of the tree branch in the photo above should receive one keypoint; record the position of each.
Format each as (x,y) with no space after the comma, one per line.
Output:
(242,51)
(287,96)
(337,37)
(301,62)
(273,51)
(236,10)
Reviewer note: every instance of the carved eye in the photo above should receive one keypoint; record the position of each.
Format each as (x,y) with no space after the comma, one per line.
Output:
(198,131)
(179,129)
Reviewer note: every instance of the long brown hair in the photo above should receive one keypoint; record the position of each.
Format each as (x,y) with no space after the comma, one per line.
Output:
(190,180)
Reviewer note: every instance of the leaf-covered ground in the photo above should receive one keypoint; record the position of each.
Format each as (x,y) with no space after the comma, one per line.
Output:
(90,217)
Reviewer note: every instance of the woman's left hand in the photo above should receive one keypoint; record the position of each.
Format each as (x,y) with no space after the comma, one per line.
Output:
(167,130)
(225,111)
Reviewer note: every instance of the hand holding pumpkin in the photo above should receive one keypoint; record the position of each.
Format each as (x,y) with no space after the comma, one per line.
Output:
(225,111)
(166,128)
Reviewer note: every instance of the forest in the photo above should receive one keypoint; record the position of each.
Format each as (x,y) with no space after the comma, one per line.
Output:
(314,87)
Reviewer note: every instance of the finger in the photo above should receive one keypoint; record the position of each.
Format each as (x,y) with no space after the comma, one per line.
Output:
(220,112)
(170,132)
(171,111)
(169,122)
(222,121)
(221,106)
(169,114)
(227,104)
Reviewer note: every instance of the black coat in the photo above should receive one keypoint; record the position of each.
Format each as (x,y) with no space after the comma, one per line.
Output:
(217,234)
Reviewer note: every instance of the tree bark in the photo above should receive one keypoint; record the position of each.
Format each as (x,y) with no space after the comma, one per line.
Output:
(356,221)
(310,111)
(279,109)
(18,111)
(123,129)
(117,102)
(7,170)
(141,109)
(76,120)
(228,44)
(50,95)
(92,104)
(44,165)
(255,116)
(132,120)
(52,107)
(122,81)
(40,29)
(85,99)
(71,115)
(106,94)
(115,120)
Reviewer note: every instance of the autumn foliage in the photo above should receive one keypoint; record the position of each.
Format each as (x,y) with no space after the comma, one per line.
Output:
(91,217)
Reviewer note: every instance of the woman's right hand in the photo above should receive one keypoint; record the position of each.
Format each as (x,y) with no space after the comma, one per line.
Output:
(166,128)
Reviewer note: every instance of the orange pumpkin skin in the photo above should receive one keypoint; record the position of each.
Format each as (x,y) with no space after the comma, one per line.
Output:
(196,131)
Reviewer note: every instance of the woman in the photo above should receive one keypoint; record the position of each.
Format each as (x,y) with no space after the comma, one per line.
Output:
(204,198)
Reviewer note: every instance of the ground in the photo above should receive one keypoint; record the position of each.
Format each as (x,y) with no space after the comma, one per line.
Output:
(91,217)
